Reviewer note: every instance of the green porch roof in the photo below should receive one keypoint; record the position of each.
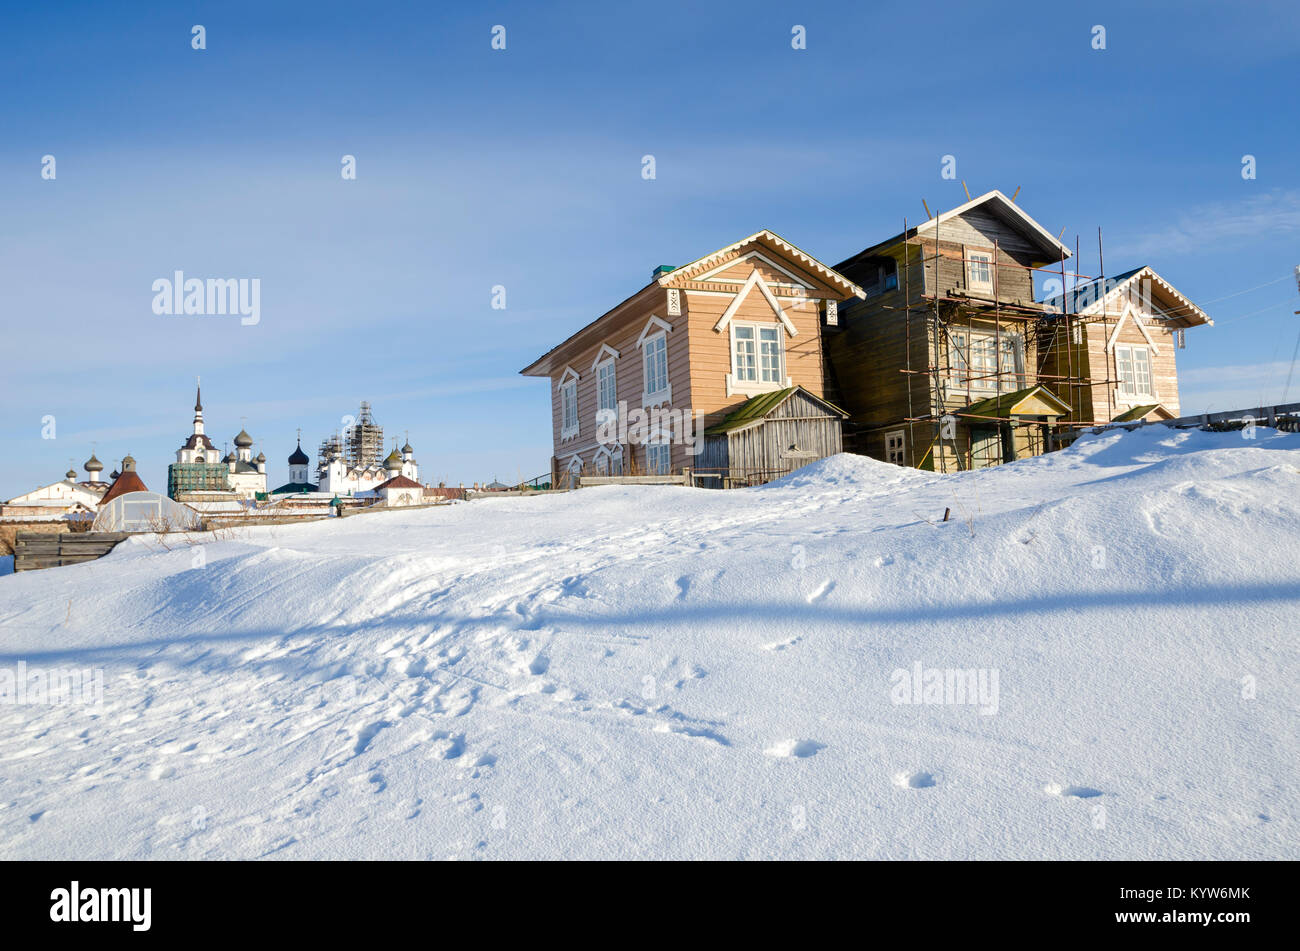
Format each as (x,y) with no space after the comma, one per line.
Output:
(1134,414)
(1004,405)
(757,407)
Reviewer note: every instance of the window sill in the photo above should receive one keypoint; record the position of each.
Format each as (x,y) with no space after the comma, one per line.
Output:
(1137,399)
(751,388)
(567,434)
(656,399)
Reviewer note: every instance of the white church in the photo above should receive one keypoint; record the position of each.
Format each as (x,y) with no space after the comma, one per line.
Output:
(200,468)
(337,478)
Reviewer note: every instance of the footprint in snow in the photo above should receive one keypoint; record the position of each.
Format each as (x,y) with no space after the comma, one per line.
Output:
(447,745)
(797,749)
(823,589)
(916,779)
(782,645)
(367,735)
(1074,792)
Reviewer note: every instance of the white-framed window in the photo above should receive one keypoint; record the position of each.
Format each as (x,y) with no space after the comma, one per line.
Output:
(569,408)
(654,363)
(757,357)
(1133,366)
(658,458)
(606,391)
(979,271)
(974,356)
(896,447)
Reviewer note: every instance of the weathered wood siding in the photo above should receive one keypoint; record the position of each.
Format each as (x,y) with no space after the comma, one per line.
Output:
(1105,398)
(878,341)
(40,550)
(867,353)
(793,434)
(978,231)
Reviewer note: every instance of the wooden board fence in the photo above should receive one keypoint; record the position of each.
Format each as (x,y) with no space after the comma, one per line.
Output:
(42,550)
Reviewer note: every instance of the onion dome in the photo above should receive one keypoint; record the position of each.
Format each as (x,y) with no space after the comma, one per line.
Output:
(261,457)
(243,440)
(394,460)
(408,448)
(115,475)
(71,475)
(299,458)
(229,458)
(93,464)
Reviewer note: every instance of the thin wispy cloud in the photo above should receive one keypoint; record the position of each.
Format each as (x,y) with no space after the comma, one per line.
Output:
(1274,216)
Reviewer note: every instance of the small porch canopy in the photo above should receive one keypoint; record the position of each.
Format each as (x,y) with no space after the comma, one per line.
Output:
(1138,413)
(1033,402)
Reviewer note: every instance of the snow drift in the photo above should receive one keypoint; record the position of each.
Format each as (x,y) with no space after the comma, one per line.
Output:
(666,672)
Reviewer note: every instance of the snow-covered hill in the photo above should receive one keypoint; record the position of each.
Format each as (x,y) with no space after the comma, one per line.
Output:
(664,672)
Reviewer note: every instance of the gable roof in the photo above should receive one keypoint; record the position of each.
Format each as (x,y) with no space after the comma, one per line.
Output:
(993,201)
(773,241)
(545,365)
(398,482)
(1089,297)
(1141,412)
(754,410)
(1006,405)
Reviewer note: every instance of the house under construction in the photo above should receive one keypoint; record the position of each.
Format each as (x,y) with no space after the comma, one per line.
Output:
(952,361)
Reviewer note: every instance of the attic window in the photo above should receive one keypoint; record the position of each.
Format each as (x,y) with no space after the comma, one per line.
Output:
(979,271)
(881,276)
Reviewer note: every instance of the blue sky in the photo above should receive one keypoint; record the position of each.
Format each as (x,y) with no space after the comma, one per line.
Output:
(522,168)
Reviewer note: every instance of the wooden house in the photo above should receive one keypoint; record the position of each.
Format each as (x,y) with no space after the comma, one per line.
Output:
(1115,361)
(634,391)
(938,366)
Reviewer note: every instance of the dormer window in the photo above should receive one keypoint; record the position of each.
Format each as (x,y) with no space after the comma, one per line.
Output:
(881,276)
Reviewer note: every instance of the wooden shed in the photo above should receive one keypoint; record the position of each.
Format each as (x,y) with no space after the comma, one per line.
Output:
(771,435)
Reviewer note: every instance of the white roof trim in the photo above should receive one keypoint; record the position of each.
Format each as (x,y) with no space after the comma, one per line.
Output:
(995,195)
(1183,302)
(745,257)
(755,280)
(653,322)
(1129,309)
(564,377)
(832,276)
(601,355)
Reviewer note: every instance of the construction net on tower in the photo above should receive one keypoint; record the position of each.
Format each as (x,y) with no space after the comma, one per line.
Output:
(365,440)
(360,445)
